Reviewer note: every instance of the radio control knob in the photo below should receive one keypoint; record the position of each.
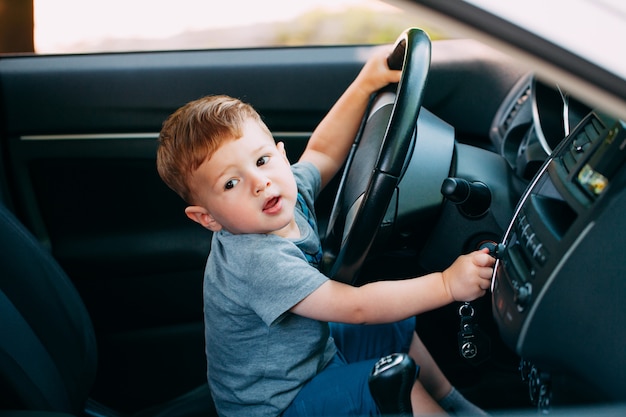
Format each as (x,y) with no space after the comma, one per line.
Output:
(523,294)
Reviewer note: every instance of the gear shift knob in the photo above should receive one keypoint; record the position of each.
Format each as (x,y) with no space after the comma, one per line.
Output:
(391,381)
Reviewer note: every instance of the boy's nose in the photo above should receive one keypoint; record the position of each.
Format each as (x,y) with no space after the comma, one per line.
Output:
(261,184)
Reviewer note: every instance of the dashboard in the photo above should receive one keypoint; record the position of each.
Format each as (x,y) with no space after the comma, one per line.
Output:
(559,278)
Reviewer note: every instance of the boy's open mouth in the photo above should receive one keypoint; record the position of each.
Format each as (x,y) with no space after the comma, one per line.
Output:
(272,205)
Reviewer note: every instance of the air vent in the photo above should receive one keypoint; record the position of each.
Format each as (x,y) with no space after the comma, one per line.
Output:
(510,116)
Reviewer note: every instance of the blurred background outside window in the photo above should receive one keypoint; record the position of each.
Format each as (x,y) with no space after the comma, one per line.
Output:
(93,26)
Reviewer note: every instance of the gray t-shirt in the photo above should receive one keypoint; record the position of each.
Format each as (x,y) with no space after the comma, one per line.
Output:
(259,354)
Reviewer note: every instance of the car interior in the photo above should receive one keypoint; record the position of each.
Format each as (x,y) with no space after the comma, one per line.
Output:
(101,272)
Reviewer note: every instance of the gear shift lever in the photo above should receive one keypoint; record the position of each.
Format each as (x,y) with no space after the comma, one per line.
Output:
(390,383)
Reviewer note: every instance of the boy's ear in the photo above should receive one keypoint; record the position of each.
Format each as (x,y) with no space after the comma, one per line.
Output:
(281,148)
(201,216)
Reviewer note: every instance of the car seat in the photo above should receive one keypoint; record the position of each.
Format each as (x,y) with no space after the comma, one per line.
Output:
(48,355)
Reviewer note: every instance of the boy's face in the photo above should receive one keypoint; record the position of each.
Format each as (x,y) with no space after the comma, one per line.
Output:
(246,187)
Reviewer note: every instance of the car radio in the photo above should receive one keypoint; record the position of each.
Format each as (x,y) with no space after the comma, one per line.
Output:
(560,280)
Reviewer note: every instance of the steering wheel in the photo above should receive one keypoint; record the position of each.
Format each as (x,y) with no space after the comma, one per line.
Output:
(374,167)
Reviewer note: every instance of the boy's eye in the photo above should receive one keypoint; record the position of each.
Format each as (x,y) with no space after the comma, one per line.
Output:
(230,184)
(262,161)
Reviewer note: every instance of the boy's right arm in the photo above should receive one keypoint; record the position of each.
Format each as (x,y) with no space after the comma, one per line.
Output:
(388,301)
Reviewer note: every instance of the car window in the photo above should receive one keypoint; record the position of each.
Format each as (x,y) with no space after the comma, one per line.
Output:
(87,26)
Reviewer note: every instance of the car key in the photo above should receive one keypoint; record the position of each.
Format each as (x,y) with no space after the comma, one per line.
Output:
(474,344)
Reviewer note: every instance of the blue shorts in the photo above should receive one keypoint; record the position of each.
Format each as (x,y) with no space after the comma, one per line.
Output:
(341,389)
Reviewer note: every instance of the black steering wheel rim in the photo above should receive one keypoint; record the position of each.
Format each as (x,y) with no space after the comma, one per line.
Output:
(355,221)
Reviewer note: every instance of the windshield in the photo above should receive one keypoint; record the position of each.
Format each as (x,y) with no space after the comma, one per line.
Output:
(585,27)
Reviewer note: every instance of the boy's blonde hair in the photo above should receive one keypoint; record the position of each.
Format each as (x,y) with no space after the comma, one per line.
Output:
(194,132)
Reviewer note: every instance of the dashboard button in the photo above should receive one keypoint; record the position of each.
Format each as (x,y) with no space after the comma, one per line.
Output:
(540,254)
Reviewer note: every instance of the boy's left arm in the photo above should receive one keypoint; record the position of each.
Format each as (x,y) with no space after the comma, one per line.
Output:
(330,143)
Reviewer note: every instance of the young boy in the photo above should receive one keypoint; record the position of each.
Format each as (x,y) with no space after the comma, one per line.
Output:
(269,348)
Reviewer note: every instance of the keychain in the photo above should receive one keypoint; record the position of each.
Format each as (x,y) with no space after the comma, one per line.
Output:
(474,344)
